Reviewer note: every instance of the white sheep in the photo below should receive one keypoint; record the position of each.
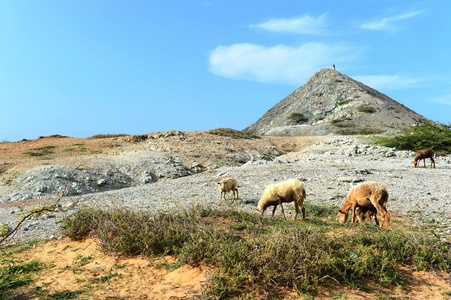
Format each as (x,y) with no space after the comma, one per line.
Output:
(283,192)
(226,185)
(368,195)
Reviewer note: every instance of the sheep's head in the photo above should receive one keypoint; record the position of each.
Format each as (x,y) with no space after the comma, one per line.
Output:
(261,208)
(415,162)
(221,185)
(342,217)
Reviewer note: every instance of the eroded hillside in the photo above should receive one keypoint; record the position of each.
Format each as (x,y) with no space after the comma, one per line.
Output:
(32,169)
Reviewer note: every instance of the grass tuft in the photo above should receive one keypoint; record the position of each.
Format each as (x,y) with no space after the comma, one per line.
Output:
(297,118)
(236,134)
(106,136)
(14,274)
(41,151)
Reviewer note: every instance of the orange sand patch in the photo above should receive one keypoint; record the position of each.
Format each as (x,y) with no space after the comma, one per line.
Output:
(108,276)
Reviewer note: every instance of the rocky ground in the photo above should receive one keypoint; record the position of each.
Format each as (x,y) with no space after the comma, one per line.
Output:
(173,171)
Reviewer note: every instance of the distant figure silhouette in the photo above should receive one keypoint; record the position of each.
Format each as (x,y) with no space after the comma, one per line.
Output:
(333,67)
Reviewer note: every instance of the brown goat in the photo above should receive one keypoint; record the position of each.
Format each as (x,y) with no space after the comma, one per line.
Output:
(370,212)
(422,155)
(367,195)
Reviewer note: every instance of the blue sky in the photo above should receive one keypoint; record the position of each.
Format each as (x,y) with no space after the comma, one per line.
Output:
(81,68)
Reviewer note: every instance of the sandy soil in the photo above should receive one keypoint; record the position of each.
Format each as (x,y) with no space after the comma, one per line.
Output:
(80,265)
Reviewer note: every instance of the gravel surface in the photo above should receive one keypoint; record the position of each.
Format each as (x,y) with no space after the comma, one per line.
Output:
(328,169)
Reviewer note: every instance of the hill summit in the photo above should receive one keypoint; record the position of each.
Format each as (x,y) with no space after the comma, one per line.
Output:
(333,103)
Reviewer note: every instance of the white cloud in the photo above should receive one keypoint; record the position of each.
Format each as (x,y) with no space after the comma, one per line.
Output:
(388,23)
(388,81)
(446,100)
(305,24)
(283,64)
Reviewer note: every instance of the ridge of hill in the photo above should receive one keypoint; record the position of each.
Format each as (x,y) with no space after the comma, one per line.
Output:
(35,169)
(332,103)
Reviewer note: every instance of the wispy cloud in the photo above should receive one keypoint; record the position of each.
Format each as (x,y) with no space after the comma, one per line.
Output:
(388,81)
(305,24)
(446,99)
(280,63)
(389,22)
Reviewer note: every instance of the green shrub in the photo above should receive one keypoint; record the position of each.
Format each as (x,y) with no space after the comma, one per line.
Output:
(366,109)
(297,118)
(236,134)
(342,122)
(344,102)
(105,136)
(434,136)
(248,251)
(41,151)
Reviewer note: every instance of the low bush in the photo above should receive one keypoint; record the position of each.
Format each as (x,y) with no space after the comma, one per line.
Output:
(434,136)
(236,134)
(366,109)
(41,151)
(261,254)
(297,118)
(106,136)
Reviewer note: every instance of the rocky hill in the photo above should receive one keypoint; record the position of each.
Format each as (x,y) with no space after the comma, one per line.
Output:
(333,103)
(41,168)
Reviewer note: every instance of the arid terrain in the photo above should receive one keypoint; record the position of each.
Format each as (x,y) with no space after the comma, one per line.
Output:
(323,162)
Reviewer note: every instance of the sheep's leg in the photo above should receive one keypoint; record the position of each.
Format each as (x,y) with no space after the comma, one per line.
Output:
(376,220)
(360,216)
(387,219)
(385,216)
(432,161)
(303,212)
(274,210)
(296,206)
(353,213)
(235,196)
(281,207)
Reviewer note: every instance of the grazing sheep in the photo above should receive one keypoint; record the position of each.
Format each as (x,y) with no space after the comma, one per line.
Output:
(227,185)
(370,212)
(367,195)
(422,155)
(283,192)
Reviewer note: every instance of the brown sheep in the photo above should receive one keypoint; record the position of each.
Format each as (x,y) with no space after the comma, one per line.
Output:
(226,185)
(370,212)
(422,155)
(283,192)
(367,195)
